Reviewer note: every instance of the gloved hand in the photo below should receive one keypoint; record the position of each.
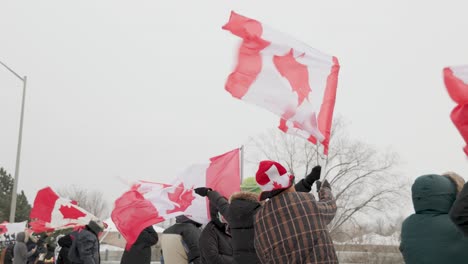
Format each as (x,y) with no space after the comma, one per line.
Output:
(202,191)
(319,185)
(313,175)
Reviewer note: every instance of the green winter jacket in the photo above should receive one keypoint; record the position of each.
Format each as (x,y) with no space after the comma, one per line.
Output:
(429,236)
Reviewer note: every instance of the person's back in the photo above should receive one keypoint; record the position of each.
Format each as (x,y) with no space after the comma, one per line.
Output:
(140,252)
(429,236)
(215,242)
(85,246)
(65,243)
(20,250)
(8,258)
(180,238)
(292,228)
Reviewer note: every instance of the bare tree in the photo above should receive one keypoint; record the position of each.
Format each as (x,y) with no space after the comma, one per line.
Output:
(90,200)
(362,178)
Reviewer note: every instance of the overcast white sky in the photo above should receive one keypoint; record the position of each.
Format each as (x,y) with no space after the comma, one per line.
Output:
(135,89)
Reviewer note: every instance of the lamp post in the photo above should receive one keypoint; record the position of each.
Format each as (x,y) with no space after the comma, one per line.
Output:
(18,150)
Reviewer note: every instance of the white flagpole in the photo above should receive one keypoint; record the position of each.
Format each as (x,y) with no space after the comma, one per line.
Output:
(242,163)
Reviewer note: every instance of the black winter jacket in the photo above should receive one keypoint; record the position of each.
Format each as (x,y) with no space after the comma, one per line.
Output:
(215,242)
(140,252)
(459,211)
(65,243)
(190,233)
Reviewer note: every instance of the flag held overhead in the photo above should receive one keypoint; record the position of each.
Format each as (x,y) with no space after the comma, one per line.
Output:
(285,76)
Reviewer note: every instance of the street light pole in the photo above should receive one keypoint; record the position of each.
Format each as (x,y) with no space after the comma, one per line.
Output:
(18,150)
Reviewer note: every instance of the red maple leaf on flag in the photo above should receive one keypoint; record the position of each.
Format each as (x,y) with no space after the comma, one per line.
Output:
(71,212)
(296,73)
(3,229)
(277,185)
(181,197)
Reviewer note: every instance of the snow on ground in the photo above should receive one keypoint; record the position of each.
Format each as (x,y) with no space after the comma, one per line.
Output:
(375,239)
(104,247)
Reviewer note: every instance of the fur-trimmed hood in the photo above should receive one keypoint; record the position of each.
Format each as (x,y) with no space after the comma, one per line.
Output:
(248,196)
(456,179)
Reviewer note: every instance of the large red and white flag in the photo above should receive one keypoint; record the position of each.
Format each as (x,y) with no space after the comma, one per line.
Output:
(456,82)
(149,203)
(51,212)
(285,76)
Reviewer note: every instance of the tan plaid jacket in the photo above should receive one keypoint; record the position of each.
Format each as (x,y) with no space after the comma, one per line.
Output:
(292,228)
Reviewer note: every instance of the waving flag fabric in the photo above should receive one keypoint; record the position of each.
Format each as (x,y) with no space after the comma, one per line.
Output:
(158,201)
(456,81)
(12,228)
(51,212)
(133,213)
(286,77)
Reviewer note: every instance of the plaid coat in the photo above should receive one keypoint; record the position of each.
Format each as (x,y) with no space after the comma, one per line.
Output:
(292,228)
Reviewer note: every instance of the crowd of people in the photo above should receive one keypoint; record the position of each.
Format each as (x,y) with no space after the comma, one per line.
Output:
(285,223)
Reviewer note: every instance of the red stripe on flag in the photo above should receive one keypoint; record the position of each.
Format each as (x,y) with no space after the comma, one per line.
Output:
(325,117)
(223,174)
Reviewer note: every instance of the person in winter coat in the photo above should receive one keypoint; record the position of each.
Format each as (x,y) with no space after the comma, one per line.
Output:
(179,242)
(215,241)
(459,211)
(140,252)
(429,236)
(291,227)
(20,250)
(85,246)
(8,258)
(65,243)
(239,213)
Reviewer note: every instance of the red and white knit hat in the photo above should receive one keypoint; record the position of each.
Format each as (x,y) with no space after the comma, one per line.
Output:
(272,176)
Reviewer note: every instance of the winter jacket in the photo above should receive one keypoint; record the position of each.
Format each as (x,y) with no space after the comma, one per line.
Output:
(8,259)
(459,211)
(215,242)
(190,235)
(85,248)
(429,236)
(291,227)
(240,216)
(20,250)
(140,252)
(65,243)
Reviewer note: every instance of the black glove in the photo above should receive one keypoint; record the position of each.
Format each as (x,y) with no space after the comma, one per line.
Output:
(202,191)
(314,175)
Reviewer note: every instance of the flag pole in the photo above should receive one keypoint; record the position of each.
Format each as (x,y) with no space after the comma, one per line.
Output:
(242,163)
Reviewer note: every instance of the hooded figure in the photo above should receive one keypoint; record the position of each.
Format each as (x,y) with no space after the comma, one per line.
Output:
(65,243)
(215,241)
(140,252)
(179,242)
(20,250)
(85,246)
(429,236)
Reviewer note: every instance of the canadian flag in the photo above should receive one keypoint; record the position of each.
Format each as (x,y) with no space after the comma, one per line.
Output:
(51,212)
(286,77)
(456,82)
(149,203)
(12,228)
